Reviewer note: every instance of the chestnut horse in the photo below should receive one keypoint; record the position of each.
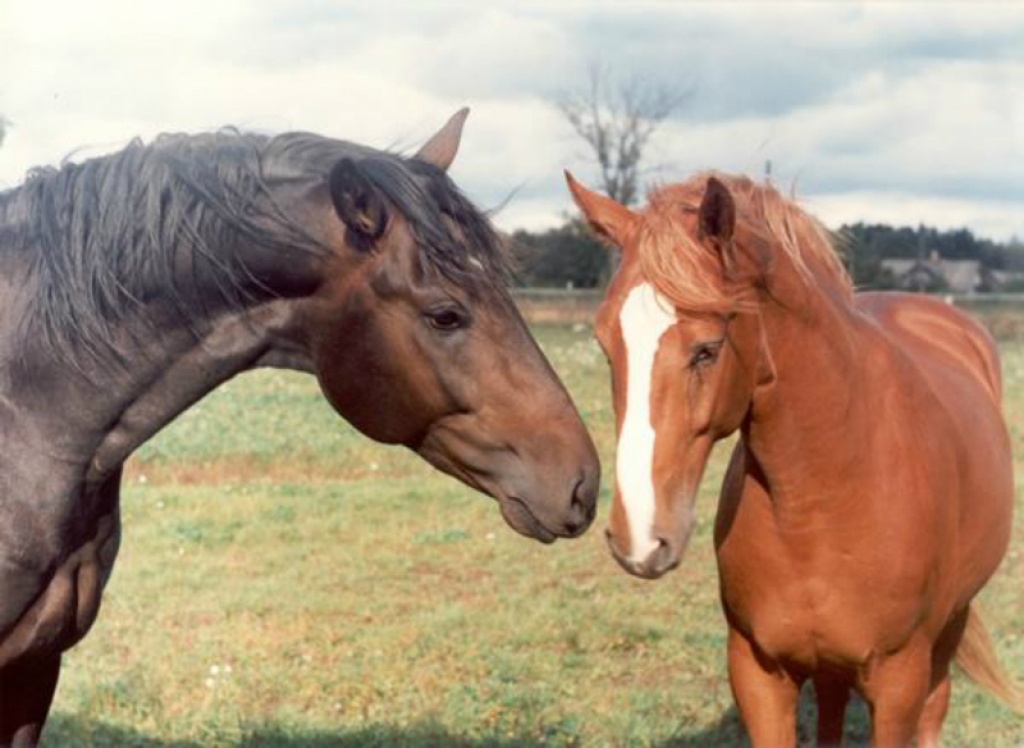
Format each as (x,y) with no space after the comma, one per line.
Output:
(135,283)
(869,496)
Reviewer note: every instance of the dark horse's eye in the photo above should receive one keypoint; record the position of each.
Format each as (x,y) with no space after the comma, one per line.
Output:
(446,319)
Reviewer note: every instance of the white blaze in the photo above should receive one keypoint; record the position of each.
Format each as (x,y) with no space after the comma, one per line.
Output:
(644,318)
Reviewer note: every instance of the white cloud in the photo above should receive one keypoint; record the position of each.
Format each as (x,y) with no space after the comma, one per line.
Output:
(993,218)
(897,109)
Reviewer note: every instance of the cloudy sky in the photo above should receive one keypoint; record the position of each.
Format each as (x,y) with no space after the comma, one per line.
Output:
(903,113)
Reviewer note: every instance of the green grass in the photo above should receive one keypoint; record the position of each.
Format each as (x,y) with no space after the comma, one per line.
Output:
(285,582)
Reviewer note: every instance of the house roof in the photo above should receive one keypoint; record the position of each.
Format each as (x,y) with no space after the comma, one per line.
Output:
(961,276)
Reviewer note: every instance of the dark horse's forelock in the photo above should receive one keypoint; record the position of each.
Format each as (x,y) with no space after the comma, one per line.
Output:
(455,238)
(103,235)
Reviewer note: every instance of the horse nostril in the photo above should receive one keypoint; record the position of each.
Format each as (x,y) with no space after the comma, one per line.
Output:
(662,558)
(577,521)
(582,508)
(584,493)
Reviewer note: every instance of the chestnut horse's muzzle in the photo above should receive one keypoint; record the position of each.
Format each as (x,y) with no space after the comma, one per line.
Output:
(665,557)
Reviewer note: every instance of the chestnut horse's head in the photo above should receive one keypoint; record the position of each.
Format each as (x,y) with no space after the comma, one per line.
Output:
(685,356)
(416,341)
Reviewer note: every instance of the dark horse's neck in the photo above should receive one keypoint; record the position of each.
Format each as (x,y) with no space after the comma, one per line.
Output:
(160,370)
(185,366)
(133,284)
(70,414)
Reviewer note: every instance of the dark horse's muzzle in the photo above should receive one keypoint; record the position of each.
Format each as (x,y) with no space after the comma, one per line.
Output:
(545,496)
(539,509)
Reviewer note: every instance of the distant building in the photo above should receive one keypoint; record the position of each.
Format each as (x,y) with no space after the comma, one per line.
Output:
(938,274)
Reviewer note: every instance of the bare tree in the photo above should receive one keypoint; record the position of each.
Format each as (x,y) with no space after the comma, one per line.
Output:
(616,118)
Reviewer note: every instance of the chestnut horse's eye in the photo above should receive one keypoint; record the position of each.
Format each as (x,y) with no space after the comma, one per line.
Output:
(447,319)
(704,354)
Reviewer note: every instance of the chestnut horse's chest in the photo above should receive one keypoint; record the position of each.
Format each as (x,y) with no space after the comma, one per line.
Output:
(827,589)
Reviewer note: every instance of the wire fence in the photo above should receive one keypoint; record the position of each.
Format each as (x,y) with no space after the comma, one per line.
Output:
(1002,314)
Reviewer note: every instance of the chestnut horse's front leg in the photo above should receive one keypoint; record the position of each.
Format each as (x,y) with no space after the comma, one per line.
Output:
(896,689)
(832,695)
(934,713)
(765,693)
(937,704)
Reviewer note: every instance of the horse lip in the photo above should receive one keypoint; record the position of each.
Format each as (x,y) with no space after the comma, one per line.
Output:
(640,569)
(520,518)
(643,572)
(515,510)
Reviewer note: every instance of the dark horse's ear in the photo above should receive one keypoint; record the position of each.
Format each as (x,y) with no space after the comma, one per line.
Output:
(440,150)
(717,211)
(358,204)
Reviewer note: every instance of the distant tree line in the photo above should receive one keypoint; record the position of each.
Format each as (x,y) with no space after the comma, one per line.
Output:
(568,256)
(564,257)
(864,246)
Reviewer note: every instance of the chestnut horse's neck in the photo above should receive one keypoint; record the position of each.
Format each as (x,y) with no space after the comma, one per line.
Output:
(802,423)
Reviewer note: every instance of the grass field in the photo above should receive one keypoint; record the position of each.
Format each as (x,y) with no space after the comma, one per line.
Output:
(285,582)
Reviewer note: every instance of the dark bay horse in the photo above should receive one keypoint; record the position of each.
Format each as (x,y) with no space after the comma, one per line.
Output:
(133,284)
(869,497)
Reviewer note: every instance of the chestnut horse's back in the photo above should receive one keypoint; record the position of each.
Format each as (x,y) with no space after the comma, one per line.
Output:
(939,329)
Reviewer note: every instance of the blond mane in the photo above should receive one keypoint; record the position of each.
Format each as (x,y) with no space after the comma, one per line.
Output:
(693,277)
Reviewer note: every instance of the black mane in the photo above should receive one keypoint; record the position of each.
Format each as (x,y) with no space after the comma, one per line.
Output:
(103,234)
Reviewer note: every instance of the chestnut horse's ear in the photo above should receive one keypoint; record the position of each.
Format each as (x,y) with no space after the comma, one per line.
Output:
(717,211)
(608,218)
(440,150)
(358,204)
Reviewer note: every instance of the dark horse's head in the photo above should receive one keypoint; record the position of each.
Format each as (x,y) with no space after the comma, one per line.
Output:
(367,268)
(416,341)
